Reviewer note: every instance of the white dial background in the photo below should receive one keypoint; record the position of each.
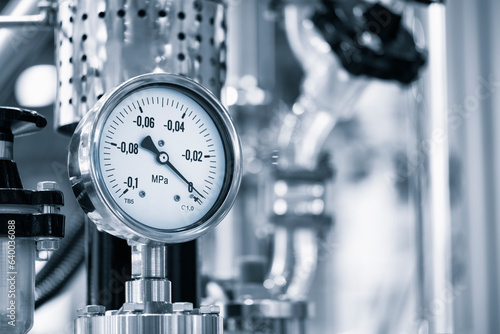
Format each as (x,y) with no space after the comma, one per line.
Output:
(146,190)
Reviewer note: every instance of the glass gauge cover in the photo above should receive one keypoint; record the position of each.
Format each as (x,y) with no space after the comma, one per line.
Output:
(157,159)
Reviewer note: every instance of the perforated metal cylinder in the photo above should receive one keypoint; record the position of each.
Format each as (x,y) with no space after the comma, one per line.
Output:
(102,43)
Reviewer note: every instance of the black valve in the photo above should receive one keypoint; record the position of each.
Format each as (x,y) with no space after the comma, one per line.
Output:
(15,122)
(36,212)
(370,40)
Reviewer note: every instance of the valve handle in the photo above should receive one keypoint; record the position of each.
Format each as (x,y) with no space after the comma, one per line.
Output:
(15,122)
(19,122)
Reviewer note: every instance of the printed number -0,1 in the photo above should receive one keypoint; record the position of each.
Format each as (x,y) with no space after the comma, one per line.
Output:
(193,155)
(131,148)
(132,182)
(145,122)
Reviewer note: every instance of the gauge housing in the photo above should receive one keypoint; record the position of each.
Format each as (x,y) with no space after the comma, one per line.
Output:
(87,181)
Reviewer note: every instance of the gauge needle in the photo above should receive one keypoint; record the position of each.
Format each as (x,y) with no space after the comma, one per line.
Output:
(162,158)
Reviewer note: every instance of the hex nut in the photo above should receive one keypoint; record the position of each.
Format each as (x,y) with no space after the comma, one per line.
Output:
(182,307)
(47,244)
(47,185)
(210,309)
(91,310)
(133,307)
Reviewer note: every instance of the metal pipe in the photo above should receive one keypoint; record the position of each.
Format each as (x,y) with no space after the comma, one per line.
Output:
(148,261)
(430,184)
(108,268)
(16,46)
(281,265)
(43,19)
(327,94)
(305,242)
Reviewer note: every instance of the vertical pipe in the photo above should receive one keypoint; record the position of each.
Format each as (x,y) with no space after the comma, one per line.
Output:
(439,168)
(183,271)
(108,268)
(431,182)
(20,44)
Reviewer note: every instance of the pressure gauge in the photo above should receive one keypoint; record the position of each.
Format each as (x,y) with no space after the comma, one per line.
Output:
(157,159)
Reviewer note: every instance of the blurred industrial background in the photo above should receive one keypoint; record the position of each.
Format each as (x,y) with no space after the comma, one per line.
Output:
(371,145)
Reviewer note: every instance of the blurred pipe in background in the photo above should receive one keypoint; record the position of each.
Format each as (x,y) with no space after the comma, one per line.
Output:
(327,94)
(429,158)
(19,45)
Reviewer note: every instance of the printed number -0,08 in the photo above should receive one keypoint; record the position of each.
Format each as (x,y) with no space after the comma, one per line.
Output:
(131,148)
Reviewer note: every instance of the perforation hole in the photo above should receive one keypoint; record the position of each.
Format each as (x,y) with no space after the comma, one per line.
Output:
(198,6)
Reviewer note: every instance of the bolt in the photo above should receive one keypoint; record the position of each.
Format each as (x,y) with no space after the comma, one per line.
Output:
(91,310)
(45,247)
(42,256)
(47,185)
(210,309)
(182,307)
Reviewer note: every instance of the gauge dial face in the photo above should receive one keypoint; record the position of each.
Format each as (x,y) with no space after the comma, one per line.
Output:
(161,157)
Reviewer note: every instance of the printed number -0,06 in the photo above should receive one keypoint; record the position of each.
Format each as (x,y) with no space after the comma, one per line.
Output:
(145,122)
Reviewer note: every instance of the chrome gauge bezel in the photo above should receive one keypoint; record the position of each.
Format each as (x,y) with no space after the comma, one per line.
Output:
(88,184)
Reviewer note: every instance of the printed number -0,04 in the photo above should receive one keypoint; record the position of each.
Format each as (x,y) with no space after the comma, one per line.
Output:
(175,126)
